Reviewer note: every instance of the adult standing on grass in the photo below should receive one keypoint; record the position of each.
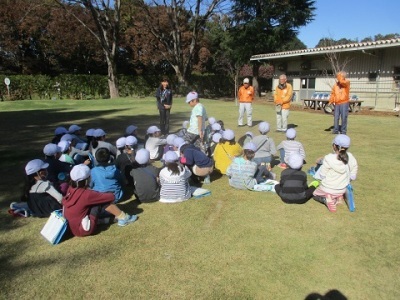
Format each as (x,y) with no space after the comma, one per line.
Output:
(164,104)
(340,97)
(282,97)
(246,97)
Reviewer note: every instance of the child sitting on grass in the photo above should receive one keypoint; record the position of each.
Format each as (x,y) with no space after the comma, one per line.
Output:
(336,172)
(106,178)
(265,145)
(243,173)
(82,206)
(289,146)
(293,188)
(226,151)
(145,177)
(154,143)
(39,193)
(174,180)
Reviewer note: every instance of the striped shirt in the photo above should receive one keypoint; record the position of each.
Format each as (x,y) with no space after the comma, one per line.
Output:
(292,146)
(175,188)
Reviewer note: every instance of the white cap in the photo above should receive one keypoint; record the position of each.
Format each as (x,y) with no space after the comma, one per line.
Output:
(80,172)
(60,130)
(90,132)
(263,127)
(250,146)
(246,80)
(121,142)
(342,140)
(211,120)
(153,129)
(74,128)
(295,161)
(216,137)
(130,140)
(64,145)
(142,156)
(99,133)
(34,166)
(191,96)
(178,142)
(228,135)
(291,133)
(250,133)
(51,149)
(130,129)
(67,137)
(170,138)
(216,126)
(171,156)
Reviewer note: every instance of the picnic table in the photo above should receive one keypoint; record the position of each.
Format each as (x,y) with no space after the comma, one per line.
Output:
(354,105)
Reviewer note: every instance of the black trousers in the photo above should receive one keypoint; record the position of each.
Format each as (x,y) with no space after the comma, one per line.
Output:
(164,120)
(309,194)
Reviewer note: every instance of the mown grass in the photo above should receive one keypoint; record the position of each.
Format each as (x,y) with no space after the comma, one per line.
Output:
(231,245)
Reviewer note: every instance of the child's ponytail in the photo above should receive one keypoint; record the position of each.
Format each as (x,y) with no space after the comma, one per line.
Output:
(343,156)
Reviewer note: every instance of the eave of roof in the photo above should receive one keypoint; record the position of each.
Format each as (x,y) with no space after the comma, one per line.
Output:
(330,49)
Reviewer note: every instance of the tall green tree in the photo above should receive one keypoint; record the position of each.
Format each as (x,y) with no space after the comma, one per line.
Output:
(264,26)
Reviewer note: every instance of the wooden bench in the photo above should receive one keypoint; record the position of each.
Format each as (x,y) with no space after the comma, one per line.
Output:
(354,105)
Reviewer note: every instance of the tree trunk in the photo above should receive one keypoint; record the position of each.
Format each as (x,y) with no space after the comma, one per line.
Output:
(255,80)
(112,77)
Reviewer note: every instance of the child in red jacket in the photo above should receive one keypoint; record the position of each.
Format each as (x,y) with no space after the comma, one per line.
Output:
(82,206)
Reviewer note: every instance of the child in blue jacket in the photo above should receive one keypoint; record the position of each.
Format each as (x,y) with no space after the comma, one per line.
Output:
(105,176)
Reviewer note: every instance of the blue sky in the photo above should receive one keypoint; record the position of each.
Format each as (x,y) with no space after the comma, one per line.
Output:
(351,19)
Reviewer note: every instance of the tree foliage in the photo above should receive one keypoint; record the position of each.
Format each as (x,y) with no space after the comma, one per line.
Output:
(325,42)
(178,26)
(264,26)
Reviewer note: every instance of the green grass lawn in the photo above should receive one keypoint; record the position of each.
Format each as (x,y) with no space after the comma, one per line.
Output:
(230,245)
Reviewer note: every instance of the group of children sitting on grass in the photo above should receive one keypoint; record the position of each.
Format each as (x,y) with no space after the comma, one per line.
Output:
(87,176)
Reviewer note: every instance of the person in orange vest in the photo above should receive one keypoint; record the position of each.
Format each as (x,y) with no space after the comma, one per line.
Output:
(340,97)
(282,97)
(246,97)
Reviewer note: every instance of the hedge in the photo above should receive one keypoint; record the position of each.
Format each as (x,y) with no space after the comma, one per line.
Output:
(77,86)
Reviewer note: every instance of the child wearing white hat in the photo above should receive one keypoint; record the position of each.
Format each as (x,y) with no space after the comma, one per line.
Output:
(39,193)
(289,146)
(197,123)
(125,161)
(99,141)
(155,143)
(226,151)
(293,188)
(106,178)
(83,206)
(243,173)
(265,145)
(145,177)
(336,172)
(174,180)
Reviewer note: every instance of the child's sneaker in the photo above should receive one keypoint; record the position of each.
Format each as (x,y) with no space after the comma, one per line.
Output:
(282,166)
(311,171)
(207,180)
(128,219)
